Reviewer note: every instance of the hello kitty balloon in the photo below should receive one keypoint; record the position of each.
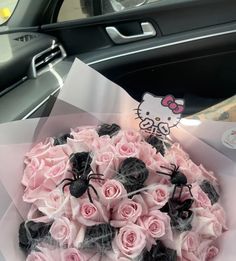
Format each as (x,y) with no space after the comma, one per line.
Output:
(159,114)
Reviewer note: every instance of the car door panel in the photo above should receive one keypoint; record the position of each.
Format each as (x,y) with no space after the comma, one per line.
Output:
(192,55)
(202,48)
(18,49)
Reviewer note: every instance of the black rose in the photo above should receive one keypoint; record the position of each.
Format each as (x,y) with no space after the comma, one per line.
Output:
(31,233)
(99,237)
(209,189)
(180,214)
(156,143)
(80,162)
(132,174)
(160,252)
(107,129)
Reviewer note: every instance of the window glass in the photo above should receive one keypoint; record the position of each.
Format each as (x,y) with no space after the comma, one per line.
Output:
(76,9)
(6,9)
(71,10)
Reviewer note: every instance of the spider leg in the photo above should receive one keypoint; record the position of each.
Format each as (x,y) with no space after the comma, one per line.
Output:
(63,181)
(181,190)
(166,168)
(95,191)
(163,173)
(71,156)
(73,173)
(63,188)
(173,165)
(189,186)
(174,191)
(89,195)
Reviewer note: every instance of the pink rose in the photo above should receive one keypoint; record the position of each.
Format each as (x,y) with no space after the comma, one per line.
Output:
(63,231)
(72,254)
(186,242)
(176,155)
(147,154)
(200,197)
(57,173)
(125,136)
(49,153)
(190,241)
(219,213)
(77,145)
(211,229)
(157,196)
(176,147)
(31,168)
(37,178)
(161,161)
(85,136)
(38,151)
(38,256)
(209,175)
(131,135)
(35,215)
(131,240)
(154,226)
(111,192)
(211,252)
(192,172)
(208,227)
(125,150)
(189,256)
(33,195)
(88,213)
(139,199)
(125,212)
(104,162)
(101,142)
(157,225)
(206,251)
(39,175)
(57,154)
(54,204)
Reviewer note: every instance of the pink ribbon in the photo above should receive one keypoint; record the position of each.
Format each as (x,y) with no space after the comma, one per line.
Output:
(169,101)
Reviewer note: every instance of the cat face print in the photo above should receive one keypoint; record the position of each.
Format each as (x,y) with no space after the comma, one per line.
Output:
(160,111)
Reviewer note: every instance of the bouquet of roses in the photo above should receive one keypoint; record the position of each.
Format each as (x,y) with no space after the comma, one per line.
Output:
(106,193)
(111,191)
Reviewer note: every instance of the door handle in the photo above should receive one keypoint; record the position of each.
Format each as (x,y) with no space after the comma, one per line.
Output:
(118,38)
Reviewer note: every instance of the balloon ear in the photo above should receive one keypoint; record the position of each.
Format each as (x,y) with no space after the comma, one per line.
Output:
(147,96)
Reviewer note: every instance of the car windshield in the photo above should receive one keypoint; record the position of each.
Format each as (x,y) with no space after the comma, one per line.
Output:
(6,9)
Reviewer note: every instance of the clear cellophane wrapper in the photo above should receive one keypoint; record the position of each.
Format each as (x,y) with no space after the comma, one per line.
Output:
(89,99)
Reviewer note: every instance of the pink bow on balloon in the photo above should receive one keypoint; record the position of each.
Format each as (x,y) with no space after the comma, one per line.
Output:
(169,101)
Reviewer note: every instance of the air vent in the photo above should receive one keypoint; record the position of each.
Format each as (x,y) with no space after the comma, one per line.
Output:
(25,38)
(41,61)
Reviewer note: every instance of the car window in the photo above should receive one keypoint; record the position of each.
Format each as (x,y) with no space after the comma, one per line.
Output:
(6,9)
(76,9)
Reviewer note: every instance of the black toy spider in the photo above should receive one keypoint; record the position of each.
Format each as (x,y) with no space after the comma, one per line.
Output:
(180,213)
(178,179)
(80,184)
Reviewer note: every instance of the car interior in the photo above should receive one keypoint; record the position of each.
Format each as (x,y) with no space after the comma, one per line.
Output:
(182,47)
